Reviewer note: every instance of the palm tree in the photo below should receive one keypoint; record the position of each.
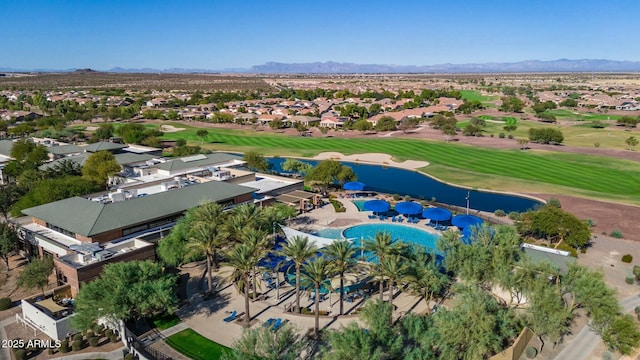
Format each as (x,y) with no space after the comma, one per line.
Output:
(258,240)
(299,249)
(394,267)
(383,246)
(246,216)
(341,253)
(424,277)
(242,259)
(207,235)
(316,272)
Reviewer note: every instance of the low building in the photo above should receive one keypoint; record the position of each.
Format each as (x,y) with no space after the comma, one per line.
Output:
(50,313)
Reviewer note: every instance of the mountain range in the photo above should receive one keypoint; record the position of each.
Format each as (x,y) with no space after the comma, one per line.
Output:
(331,67)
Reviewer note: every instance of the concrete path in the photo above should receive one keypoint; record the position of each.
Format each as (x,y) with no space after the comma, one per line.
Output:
(584,344)
(5,353)
(112,355)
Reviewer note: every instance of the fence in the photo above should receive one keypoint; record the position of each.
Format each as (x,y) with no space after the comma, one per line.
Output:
(142,350)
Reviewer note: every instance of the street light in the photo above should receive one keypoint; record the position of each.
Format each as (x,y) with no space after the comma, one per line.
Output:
(468,195)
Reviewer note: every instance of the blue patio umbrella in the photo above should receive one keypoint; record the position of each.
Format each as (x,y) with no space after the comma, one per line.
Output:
(377,206)
(354,186)
(408,208)
(464,221)
(437,214)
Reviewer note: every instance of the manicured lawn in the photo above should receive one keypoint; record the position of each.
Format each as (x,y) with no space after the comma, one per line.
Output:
(166,321)
(594,176)
(474,95)
(196,346)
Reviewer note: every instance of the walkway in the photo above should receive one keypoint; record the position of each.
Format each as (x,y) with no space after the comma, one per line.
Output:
(585,343)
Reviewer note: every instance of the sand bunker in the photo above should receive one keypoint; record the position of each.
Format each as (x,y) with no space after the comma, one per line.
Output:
(169,128)
(372,158)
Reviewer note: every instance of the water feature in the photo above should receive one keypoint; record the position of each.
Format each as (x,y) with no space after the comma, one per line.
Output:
(392,180)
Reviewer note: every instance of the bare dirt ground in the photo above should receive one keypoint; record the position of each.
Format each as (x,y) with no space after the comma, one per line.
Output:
(8,280)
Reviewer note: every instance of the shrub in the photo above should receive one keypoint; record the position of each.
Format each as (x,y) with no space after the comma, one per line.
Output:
(590,222)
(5,303)
(337,206)
(636,272)
(98,329)
(108,333)
(93,341)
(630,280)
(616,234)
(64,346)
(554,202)
(20,354)
(501,135)
(129,356)
(596,144)
(51,351)
(396,197)
(510,136)
(113,338)
(492,135)
(407,198)
(500,213)
(76,345)
(637,310)
(77,337)
(514,215)
(607,356)
(531,352)
(569,248)
(627,258)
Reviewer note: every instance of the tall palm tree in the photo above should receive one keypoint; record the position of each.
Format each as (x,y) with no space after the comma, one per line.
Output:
(424,277)
(394,267)
(382,245)
(241,258)
(246,216)
(299,249)
(259,241)
(341,254)
(207,235)
(316,272)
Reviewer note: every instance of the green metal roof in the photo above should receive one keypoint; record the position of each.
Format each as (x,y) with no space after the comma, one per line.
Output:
(5,147)
(89,218)
(122,159)
(65,149)
(558,261)
(103,145)
(194,161)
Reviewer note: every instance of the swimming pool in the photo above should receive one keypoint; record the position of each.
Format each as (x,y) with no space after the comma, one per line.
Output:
(359,204)
(406,234)
(329,233)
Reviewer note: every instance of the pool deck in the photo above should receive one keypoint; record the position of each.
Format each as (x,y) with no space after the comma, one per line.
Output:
(206,316)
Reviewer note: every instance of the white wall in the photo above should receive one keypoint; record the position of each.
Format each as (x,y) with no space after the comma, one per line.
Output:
(56,330)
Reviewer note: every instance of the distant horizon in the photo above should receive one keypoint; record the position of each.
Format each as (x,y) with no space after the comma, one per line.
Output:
(219,35)
(411,68)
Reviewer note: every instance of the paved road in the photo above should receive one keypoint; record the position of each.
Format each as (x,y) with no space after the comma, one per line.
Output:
(583,345)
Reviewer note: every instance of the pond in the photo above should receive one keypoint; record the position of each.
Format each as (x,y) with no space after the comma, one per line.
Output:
(392,180)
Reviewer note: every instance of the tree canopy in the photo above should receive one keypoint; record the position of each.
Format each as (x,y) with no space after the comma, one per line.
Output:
(256,161)
(329,172)
(50,190)
(123,291)
(36,274)
(100,166)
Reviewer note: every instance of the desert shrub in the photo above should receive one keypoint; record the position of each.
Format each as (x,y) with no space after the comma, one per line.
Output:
(607,356)
(616,234)
(77,337)
(113,338)
(64,346)
(636,272)
(396,197)
(627,258)
(93,341)
(492,135)
(554,202)
(108,333)
(590,222)
(514,215)
(76,345)
(51,351)
(501,135)
(531,352)
(5,303)
(424,203)
(129,356)
(510,136)
(630,280)
(20,354)
(569,248)
(500,213)
(337,206)
(637,310)
(407,198)
(98,329)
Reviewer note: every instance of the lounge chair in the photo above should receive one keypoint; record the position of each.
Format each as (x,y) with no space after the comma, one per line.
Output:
(269,322)
(276,324)
(400,220)
(393,219)
(231,317)
(444,228)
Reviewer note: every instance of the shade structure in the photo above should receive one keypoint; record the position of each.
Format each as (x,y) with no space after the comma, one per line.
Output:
(376,206)
(354,186)
(437,214)
(464,221)
(408,208)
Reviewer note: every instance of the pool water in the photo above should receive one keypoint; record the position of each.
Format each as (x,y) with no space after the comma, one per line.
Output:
(406,234)
(359,204)
(329,233)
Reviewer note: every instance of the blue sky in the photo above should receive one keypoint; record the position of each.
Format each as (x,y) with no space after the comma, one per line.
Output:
(218,34)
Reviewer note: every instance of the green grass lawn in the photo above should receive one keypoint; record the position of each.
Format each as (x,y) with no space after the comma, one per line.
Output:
(475,95)
(585,175)
(165,321)
(196,346)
